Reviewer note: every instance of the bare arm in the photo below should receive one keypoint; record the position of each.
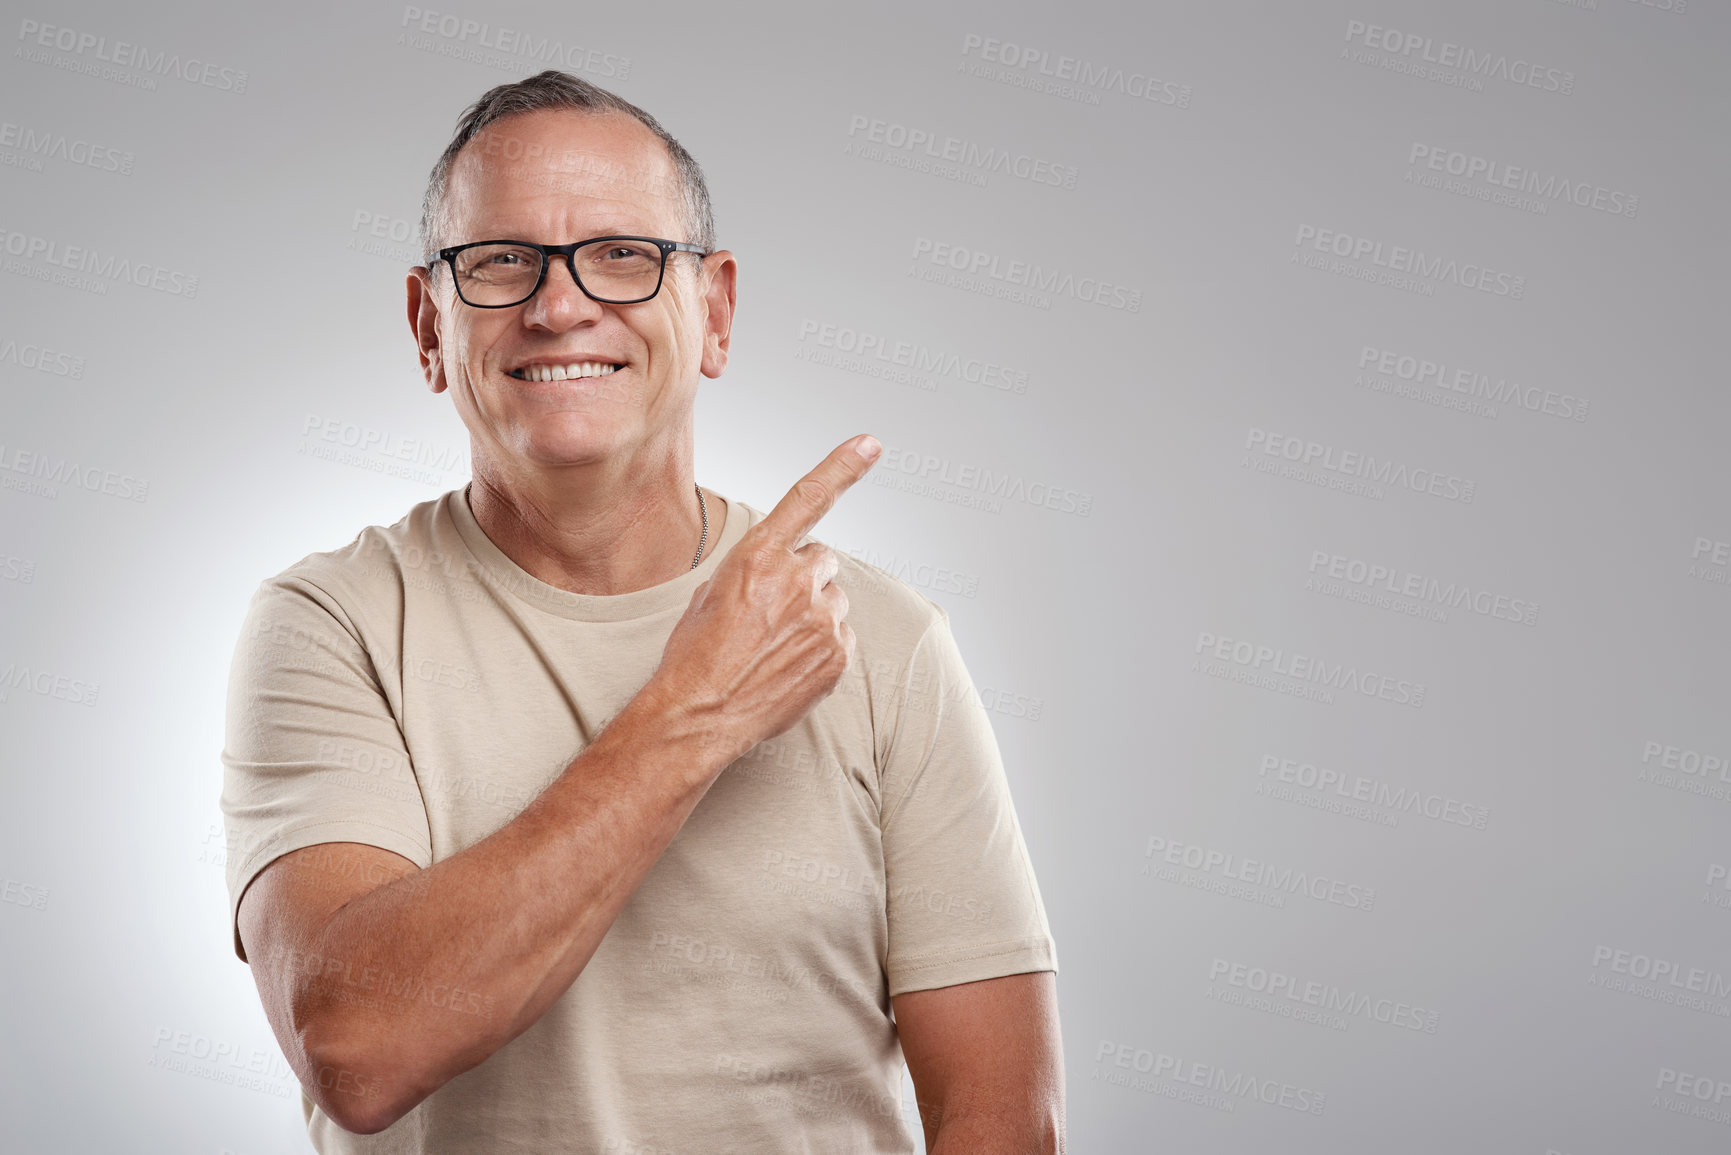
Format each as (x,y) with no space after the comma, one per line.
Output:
(345,940)
(987,1065)
(476,946)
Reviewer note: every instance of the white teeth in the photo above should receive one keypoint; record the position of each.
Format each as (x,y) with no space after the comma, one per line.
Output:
(571,372)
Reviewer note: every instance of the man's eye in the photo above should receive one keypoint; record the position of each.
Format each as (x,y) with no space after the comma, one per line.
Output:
(505,260)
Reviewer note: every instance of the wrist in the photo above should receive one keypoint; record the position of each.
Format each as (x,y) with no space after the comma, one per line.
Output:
(699,737)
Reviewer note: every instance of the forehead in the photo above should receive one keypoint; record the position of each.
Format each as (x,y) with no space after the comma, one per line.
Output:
(552,169)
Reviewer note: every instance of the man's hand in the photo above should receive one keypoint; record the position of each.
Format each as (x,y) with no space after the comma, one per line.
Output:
(764,640)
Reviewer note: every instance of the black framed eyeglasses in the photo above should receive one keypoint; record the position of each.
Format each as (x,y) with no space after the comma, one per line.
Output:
(611,270)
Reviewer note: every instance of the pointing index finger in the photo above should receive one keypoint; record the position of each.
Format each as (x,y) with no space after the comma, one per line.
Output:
(816,493)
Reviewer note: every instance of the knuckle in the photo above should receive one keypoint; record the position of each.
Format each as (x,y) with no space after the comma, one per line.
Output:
(758,561)
(813,492)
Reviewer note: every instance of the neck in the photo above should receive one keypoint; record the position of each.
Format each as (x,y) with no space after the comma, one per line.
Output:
(616,535)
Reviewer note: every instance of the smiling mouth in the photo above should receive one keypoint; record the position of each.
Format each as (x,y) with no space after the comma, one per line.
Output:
(575,371)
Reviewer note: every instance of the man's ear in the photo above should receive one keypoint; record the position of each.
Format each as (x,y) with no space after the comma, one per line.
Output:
(719,299)
(424,323)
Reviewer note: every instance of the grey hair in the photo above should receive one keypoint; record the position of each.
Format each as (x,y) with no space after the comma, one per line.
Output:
(553,89)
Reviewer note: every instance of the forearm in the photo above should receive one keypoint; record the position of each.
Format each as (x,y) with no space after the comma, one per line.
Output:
(500,930)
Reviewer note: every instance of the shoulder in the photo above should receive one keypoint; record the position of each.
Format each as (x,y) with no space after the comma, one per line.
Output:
(366,577)
(885,601)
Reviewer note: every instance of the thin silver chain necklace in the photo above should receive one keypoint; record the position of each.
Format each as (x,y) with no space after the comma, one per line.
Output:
(704,509)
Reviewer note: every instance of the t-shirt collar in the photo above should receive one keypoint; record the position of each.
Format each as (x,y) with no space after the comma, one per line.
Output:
(505,575)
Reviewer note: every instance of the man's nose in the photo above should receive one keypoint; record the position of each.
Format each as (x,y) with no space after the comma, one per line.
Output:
(561,301)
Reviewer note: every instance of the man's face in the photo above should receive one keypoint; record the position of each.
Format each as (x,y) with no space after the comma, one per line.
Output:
(556,177)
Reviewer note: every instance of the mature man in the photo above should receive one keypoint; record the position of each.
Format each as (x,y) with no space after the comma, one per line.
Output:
(569,812)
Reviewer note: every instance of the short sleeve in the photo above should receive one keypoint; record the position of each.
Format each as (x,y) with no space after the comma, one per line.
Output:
(312,751)
(962,901)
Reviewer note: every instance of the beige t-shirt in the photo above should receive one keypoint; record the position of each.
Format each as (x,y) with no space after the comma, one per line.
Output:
(415,689)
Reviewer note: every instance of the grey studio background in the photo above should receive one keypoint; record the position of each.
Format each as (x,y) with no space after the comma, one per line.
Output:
(1307,413)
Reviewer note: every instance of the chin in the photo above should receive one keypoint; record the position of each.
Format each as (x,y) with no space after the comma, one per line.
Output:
(569,439)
